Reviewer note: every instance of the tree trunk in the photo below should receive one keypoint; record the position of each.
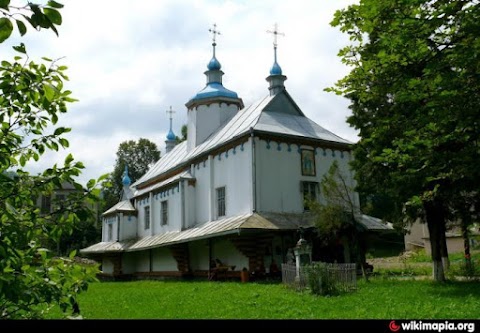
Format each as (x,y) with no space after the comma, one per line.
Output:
(466,243)
(443,248)
(435,219)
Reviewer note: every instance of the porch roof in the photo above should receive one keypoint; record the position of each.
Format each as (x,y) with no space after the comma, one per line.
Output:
(221,227)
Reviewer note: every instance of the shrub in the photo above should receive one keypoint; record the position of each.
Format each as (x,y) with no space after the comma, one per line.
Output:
(319,279)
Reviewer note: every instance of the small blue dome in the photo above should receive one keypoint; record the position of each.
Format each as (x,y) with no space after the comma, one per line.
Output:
(276,69)
(214,65)
(126,181)
(214,89)
(170,136)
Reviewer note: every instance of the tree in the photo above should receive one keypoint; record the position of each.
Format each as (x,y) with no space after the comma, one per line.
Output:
(414,93)
(138,156)
(338,217)
(32,98)
(184,134)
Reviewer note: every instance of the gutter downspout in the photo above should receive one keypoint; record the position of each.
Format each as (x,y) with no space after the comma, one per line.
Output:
(254,173)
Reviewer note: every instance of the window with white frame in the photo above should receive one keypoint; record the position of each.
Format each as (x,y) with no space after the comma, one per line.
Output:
(147,217)
(164,208)
(309,191)
(221,209)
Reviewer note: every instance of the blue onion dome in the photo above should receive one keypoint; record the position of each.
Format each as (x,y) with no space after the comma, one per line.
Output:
(126,181)
(170,135)
(214,65)
(276,69)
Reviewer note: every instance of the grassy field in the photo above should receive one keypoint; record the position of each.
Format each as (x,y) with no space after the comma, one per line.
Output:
(378,299)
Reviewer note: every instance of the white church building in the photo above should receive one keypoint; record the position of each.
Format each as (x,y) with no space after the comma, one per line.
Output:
(233,191)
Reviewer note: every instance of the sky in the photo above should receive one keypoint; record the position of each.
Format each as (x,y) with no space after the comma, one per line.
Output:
(129,61)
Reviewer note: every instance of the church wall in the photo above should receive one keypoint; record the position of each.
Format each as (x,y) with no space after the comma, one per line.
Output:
(198,252)
(279,174)
(129,227)
(142,261)
(232,169)
(173,197)
(206,119)
(202,191)
(162,260)
(110,220)
(129,262)
(107,266)
(227,253)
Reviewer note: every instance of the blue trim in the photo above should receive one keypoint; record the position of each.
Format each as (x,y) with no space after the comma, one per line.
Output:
(299,149)
(268,144)
(241,147)
(220,156)
(324,152)
(315,151)
(333,153)
(279,147)
(234,150)
(341,154)
(204,163)
(289,149)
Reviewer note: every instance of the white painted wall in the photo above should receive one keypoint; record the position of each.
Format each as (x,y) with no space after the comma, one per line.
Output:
(279,174)
(224,250)
(201,172)
(206,119)
(233,169)
(129,227)
(172,195)
(111,219)
(163,260)
(142,261)
(107,266)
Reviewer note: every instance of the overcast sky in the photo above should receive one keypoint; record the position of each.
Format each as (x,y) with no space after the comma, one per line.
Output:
(130,60)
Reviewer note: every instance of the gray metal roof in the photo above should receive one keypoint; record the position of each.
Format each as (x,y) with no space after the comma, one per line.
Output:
(122,206)
(375,224)
(225,226)
(261,117)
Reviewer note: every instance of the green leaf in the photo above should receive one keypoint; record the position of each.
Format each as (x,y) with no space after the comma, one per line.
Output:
(6,28)
(69,159)
(64,142)
(49,91)
(21,27)
(53,15)
(54,4)
(20,48)
(4,4)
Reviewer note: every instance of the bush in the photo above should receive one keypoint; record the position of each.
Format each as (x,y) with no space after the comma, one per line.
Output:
(319,279)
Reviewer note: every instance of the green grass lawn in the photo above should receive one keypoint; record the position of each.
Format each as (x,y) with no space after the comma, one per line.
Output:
(378,299)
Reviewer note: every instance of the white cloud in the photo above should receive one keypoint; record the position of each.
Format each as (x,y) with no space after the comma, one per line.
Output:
(130,60)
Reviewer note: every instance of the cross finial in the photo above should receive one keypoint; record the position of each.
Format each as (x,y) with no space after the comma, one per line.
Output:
(170,113)
(275,34)
(214,32)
